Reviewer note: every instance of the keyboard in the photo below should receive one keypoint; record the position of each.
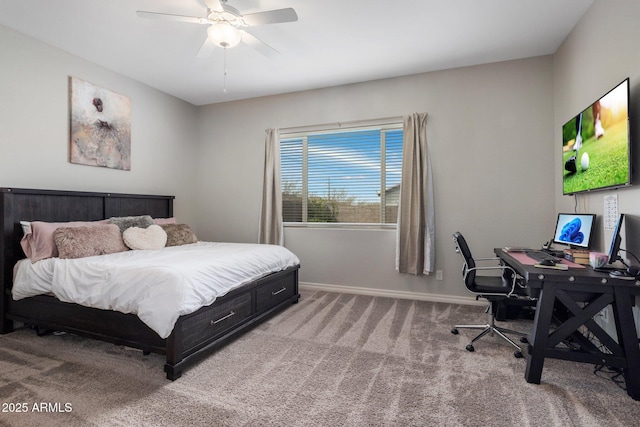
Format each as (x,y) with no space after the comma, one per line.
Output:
(542,255)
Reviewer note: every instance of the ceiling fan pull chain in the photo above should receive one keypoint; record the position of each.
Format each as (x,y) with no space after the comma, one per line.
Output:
(224,89)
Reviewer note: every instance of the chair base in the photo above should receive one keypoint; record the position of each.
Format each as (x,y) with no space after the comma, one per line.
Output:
(492,329)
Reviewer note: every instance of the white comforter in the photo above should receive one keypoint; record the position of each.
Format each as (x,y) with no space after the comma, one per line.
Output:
(157,285)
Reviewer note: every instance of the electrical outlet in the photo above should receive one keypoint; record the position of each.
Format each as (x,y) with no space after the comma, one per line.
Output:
(438,274)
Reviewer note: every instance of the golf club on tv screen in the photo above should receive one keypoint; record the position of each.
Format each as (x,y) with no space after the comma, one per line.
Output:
(596,145)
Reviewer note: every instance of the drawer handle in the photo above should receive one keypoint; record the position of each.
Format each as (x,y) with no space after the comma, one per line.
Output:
(279,292)
(213,322)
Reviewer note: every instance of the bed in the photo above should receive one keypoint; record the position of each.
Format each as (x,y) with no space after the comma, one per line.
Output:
(194,335)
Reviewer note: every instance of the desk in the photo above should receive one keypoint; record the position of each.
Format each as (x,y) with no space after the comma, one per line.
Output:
(579,294)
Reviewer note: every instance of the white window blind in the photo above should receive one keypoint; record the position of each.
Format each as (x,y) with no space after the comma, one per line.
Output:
(349,176)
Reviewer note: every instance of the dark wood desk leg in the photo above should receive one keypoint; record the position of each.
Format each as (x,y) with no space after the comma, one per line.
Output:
(628,339)
(540,334)
(6,325)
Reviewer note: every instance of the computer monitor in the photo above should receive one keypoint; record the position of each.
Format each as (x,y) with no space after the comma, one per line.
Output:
(574,230)
(614,249)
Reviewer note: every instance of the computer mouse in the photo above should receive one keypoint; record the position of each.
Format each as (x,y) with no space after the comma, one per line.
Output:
(548,262)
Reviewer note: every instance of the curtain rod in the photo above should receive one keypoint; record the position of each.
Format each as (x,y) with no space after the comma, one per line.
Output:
(348,124)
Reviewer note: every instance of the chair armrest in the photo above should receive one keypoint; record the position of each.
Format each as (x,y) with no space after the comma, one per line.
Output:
(488,259)
(497,267)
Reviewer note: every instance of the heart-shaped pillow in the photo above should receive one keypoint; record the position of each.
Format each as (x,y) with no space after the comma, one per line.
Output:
(152,237)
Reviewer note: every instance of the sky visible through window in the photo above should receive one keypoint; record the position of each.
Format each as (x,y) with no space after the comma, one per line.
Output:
(344,164)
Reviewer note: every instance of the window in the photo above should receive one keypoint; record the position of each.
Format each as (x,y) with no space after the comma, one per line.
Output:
(342,175)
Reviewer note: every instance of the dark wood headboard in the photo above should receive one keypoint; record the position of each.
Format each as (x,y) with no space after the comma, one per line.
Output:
(19,204)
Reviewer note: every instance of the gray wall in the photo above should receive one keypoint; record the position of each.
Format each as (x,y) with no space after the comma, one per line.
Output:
(599,53)
(34,127)
(490,132)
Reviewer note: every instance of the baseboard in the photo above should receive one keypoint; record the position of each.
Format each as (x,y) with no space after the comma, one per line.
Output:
(451,299)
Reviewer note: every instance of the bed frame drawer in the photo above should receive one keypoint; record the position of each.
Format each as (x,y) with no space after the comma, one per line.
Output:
(272,294)
(211,323)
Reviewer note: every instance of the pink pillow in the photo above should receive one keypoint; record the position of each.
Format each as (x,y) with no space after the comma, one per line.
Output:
(39,244)
(161,221)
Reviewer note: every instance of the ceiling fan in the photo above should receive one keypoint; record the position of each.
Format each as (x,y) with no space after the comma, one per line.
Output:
(228,27)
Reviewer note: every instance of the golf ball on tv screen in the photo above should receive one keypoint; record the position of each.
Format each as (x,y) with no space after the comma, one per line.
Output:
(584,161)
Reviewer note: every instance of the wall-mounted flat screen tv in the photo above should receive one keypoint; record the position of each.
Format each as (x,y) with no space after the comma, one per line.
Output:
(596,148)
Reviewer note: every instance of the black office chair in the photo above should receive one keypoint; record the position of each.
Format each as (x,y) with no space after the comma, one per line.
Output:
(495,289)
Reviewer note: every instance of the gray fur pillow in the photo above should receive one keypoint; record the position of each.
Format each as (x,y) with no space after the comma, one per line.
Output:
(179,234)
(80,242)
(124,222)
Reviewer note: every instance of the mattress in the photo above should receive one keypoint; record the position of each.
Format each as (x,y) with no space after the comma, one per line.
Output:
(156,285)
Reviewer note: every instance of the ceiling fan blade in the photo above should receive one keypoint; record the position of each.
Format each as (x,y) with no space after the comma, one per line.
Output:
(206,49)
(214,5)
(170,17)
(270,17)
(259,45)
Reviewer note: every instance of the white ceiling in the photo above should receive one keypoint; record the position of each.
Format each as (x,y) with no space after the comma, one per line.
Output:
(334,42)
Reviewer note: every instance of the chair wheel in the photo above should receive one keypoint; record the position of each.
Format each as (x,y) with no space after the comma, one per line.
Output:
(524,340)
(454,331)
(470,348)
(517,354)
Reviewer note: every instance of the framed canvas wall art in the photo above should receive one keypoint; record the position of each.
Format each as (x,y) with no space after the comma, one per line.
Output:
(100,126)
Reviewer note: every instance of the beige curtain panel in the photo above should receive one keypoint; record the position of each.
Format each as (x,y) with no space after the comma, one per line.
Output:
(270,229)
(415,251)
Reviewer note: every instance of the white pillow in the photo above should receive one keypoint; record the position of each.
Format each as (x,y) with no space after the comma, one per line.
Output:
(26,227)
(152,237)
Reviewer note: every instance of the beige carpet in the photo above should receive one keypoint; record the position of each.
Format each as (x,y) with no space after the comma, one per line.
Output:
(330,360)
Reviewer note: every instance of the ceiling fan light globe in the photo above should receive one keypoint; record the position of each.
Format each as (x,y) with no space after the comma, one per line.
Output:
(224,34)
